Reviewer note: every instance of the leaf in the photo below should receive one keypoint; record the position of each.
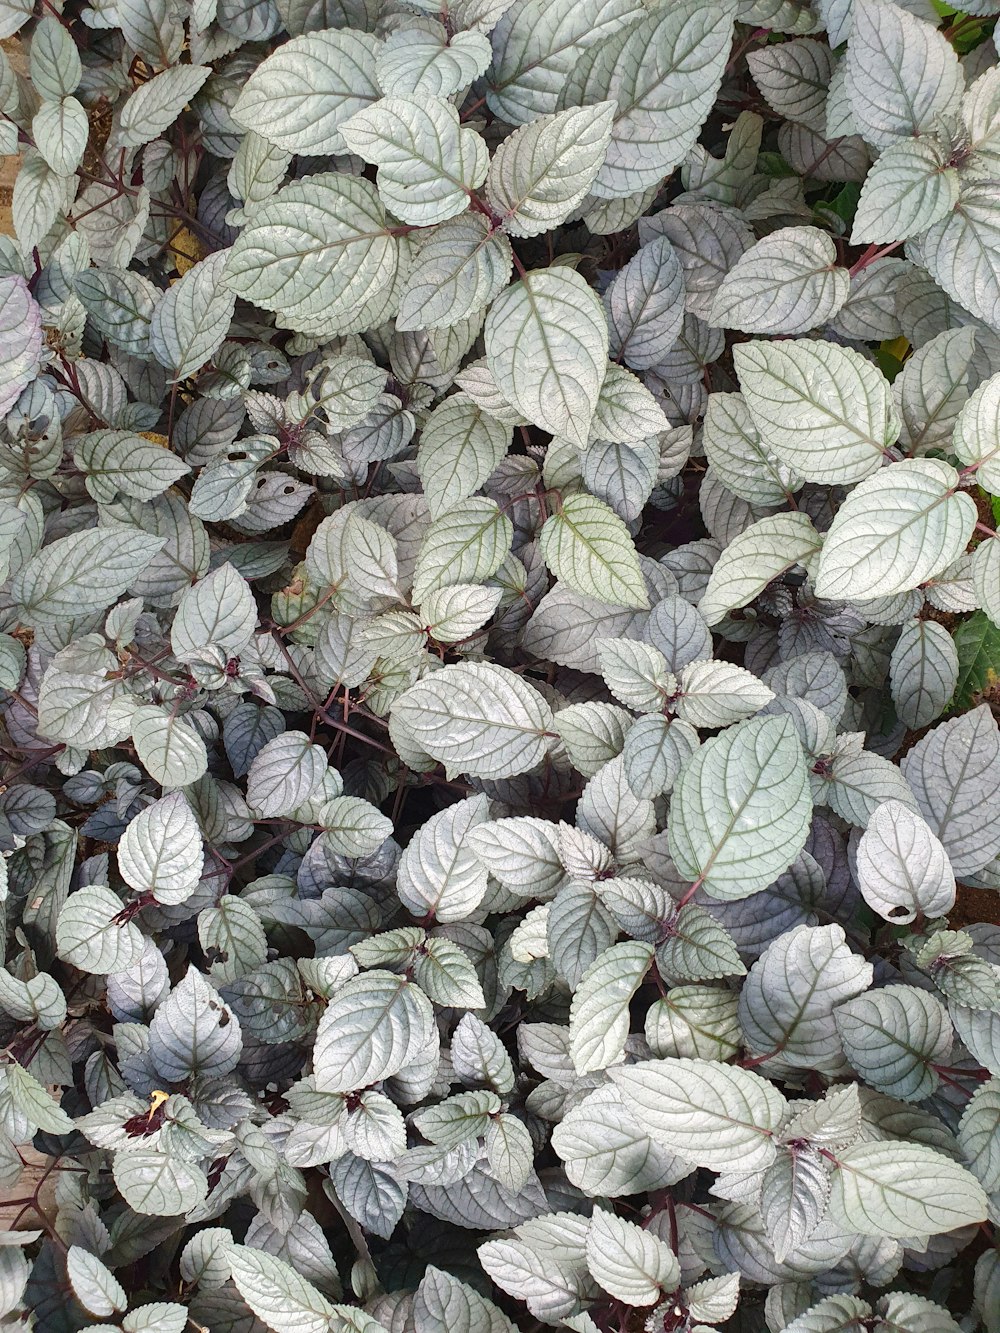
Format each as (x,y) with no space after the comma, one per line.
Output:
(909,188)
(717,694)
(156,1184)
(599,1014)
(794,78)
(664,73)
(903,1189)
(743,462)
(428,164)
(763,552)
(94,1285)
(796,1022)
(788,282)
(522,853)
(232,937)
(88,935)
(456,613)
(192,317)
(300,96)
(645,304)
(505,722)
(161,851)
(537,43)
(902,75)
(442,1301)
(953,773)
(824,409)
(631,1264)
(960,252)
(440,878)
(83,572)
(467,543)
(279,1296)
(169,749)
(895,531)
(902,868)
(893,1037)
(459,267)
(978,643)
(542,171)
(117,461)
(587,546)
(975,439)
(711,1114)
(923,672)
(460,447)
(696,948)
(373,1027)
(193,1032)
(218,611)
(318,249)
(285,774)
(547,346)
(932,389)
(977,1134)
(741,808)
(155,105)
(33,1102)
(417,63)
(20,339)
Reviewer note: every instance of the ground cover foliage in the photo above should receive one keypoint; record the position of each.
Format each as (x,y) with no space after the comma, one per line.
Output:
(500,610)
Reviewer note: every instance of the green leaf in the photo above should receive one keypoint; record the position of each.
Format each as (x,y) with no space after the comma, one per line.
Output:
(169,748)
(84,572)
(466,544)
(903,1189)
(88,935)
(763,552)
(506,724)
(895,531)
(32,1101)
(319,249)
(442,1301)
(631,1264)
(155,105)
(710,1114)
(373,1026)
(161,850)
(285,774)
(194,1032)
(788,282)
(428,165)
(460,446)
(192,317)
(542,171)
(547,347)
(599,1015)
(977,640)
(741,808)
(909,188)
(824,409)
(277,1294)
(459,267)
(587,546)
(301,95)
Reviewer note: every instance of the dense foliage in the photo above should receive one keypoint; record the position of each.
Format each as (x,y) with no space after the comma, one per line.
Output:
(497,646)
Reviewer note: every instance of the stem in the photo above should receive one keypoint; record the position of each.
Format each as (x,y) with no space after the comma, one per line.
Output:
(870,255)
